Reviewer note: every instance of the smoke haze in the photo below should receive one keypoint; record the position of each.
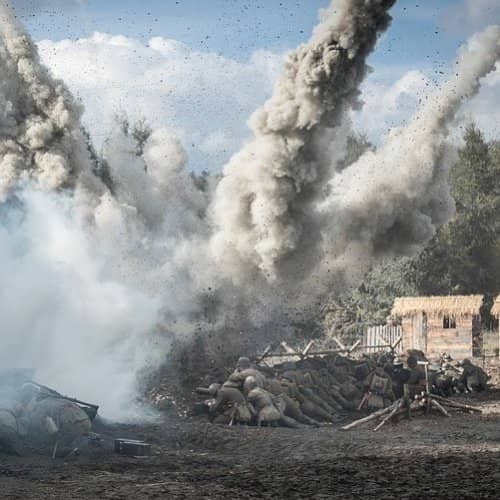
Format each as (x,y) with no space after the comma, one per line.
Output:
(100,277)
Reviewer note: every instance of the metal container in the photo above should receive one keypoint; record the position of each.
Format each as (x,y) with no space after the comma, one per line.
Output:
(132,448)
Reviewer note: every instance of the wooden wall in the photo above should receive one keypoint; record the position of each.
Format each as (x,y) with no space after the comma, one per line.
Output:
(455,341)
(427,334)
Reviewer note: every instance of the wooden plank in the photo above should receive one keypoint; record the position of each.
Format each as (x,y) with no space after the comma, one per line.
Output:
(288,349)
(354,346)
(339,343)
(308,348)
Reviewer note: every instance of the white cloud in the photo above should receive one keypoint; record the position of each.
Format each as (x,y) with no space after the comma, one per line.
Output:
(391,102)
(207,98)
(471,15)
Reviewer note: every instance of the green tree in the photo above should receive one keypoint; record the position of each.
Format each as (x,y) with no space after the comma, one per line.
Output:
(464,256)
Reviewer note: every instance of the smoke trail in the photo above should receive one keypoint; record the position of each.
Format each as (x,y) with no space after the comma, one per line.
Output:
(391,201)
(40,136)
(263,203)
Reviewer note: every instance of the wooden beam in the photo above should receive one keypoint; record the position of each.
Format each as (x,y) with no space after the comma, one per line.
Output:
(288,349)
(354,346)
(266,352)
(339,343)
(308,348)
(373,416)
(396,342)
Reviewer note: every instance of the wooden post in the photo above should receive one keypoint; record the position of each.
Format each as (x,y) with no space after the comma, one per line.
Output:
(307,349)
(339,343)
(373,416)
(354,346)
(396,407)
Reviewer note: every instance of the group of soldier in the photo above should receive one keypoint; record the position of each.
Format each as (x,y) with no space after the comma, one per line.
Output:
(318,391)
(36,418)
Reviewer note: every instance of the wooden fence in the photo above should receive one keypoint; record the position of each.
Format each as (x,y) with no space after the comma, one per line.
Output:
(381,338)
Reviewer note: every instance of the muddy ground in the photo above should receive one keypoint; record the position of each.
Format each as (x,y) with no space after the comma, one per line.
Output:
(423,458)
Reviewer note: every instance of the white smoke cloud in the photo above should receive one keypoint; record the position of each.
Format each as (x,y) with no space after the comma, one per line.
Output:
(467,16)
(40,123)
(391,102)
(392,200)
(83,332)
(169,84)
(263,203)
(389,202)
(89,278)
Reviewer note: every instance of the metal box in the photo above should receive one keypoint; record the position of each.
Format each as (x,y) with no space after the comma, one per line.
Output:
(132,448)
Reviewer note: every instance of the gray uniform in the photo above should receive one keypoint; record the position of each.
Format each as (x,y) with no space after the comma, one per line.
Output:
(263,403)
(53,420)
(230,406)
(10,440)
(474,377)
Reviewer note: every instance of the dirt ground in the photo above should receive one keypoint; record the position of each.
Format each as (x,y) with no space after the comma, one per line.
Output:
(431,457)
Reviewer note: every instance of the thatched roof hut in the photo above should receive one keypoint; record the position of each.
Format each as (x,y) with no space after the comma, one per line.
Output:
(495,310)
(453,305)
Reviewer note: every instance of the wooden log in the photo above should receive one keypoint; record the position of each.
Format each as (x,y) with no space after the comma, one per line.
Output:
(438,407)
(288,349)
(264,355)
(309,354)
(308,348)
(354,346)
(373,416)
(339,343)
(455,404)
(397,407)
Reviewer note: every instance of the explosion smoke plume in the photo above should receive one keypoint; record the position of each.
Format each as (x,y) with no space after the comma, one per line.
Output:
(92,279)
(40,137)
(264,202)
(392,200)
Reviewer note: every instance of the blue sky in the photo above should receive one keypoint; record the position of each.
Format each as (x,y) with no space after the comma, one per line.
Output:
(215,61)
(236,28)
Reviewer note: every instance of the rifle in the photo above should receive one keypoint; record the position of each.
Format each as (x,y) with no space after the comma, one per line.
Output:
(53,393)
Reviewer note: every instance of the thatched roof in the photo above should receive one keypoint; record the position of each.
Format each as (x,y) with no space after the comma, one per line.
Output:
(453,305)
(495,310)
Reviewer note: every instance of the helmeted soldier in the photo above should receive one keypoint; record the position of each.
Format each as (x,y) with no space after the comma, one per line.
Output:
(54,420)
(417,373)
(399,376)
(290,406)
(243,370)
(10,440)
(229,405)
(262,401)
(308,407)
(474,377)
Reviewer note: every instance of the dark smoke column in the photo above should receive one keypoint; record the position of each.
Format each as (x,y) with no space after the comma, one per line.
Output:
(263,203)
